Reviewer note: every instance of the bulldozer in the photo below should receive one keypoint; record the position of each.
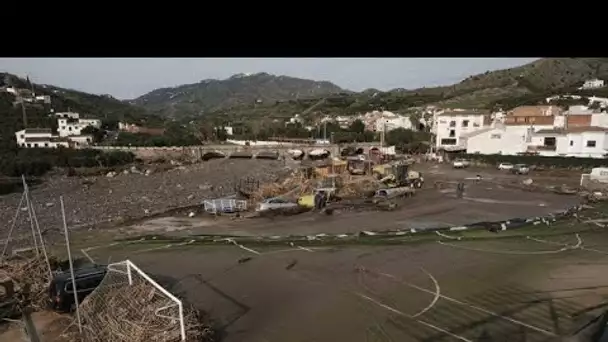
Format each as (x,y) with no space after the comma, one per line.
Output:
(398,174)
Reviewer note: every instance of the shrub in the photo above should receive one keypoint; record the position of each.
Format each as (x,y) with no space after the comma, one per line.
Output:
(36,162)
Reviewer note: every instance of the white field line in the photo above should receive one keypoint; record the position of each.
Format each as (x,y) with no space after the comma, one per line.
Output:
(447,236)
(297,249)
(475,307)
(164,247)
(87,256)
(506,252)
(244,248)
(100,246)
(579,244)
(437,294)
(395,311)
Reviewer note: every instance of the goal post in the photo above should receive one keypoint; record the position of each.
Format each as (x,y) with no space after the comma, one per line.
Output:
(129,305)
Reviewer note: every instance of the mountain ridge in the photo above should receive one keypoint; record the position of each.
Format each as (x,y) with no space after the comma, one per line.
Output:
(239,89)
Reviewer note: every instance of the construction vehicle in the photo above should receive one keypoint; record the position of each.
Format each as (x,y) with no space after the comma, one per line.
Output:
(358,166)
(328,185)
(398,174)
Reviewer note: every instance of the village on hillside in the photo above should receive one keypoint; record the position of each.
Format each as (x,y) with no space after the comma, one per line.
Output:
(545,130)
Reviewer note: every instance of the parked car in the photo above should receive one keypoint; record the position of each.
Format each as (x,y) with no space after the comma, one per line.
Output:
(520,169)
(61,291)
(274,203)
(461,163)
(505,166)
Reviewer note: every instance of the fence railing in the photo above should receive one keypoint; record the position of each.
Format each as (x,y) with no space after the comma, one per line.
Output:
(224,205)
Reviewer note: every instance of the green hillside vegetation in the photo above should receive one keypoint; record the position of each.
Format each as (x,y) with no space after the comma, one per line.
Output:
(234,99)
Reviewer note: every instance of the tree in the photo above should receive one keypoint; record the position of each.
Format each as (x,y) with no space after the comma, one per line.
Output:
(357,126)
(98,134)
(594,105)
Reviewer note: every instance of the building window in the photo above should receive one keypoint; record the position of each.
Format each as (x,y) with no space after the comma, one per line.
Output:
(29,145)
(550,141)
(63,127)
(531,120)
(452,133)
(70,128)
(571,142)
(22,136)
(465,123)
(36,145)
(46,144)
(590,143)
(452,123)
(495,136)
(521,119)
(448,141)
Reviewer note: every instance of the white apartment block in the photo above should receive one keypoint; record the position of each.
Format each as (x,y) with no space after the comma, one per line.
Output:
(451,127)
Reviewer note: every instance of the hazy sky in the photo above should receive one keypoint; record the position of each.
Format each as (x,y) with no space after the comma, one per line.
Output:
(127,78)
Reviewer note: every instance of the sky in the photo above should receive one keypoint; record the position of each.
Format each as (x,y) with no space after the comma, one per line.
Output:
(128,78)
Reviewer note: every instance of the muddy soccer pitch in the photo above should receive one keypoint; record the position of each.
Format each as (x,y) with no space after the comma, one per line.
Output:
(534,283)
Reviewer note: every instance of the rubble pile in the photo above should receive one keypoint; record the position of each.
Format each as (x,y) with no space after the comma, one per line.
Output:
(359,187)
(132,195)
(30,279)
(293,185)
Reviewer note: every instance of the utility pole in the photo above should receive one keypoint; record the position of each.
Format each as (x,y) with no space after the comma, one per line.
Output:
(325,131)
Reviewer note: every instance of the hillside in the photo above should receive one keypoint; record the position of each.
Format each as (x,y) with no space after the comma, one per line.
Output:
(213,95)
(282,96)
(102,107)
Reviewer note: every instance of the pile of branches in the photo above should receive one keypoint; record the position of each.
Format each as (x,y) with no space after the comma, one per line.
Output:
(31,278)
(359,187)
(294,185)
(137,313)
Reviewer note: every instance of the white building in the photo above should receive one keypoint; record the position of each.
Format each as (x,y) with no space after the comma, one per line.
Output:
(451,126)
(388,124)
(582,142)
(70,123)
(593,84)
(39,138)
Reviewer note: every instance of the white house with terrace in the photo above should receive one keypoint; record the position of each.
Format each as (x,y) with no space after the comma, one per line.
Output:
(70,127)
(39,138)
(70,124)
(544,131)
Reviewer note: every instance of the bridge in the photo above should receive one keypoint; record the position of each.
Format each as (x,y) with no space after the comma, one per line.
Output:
(202,152)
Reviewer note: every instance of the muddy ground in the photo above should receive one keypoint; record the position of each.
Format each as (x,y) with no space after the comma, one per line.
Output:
(499,196)
(510,289)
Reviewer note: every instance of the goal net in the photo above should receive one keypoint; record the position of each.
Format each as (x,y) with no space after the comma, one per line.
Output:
(130,306)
